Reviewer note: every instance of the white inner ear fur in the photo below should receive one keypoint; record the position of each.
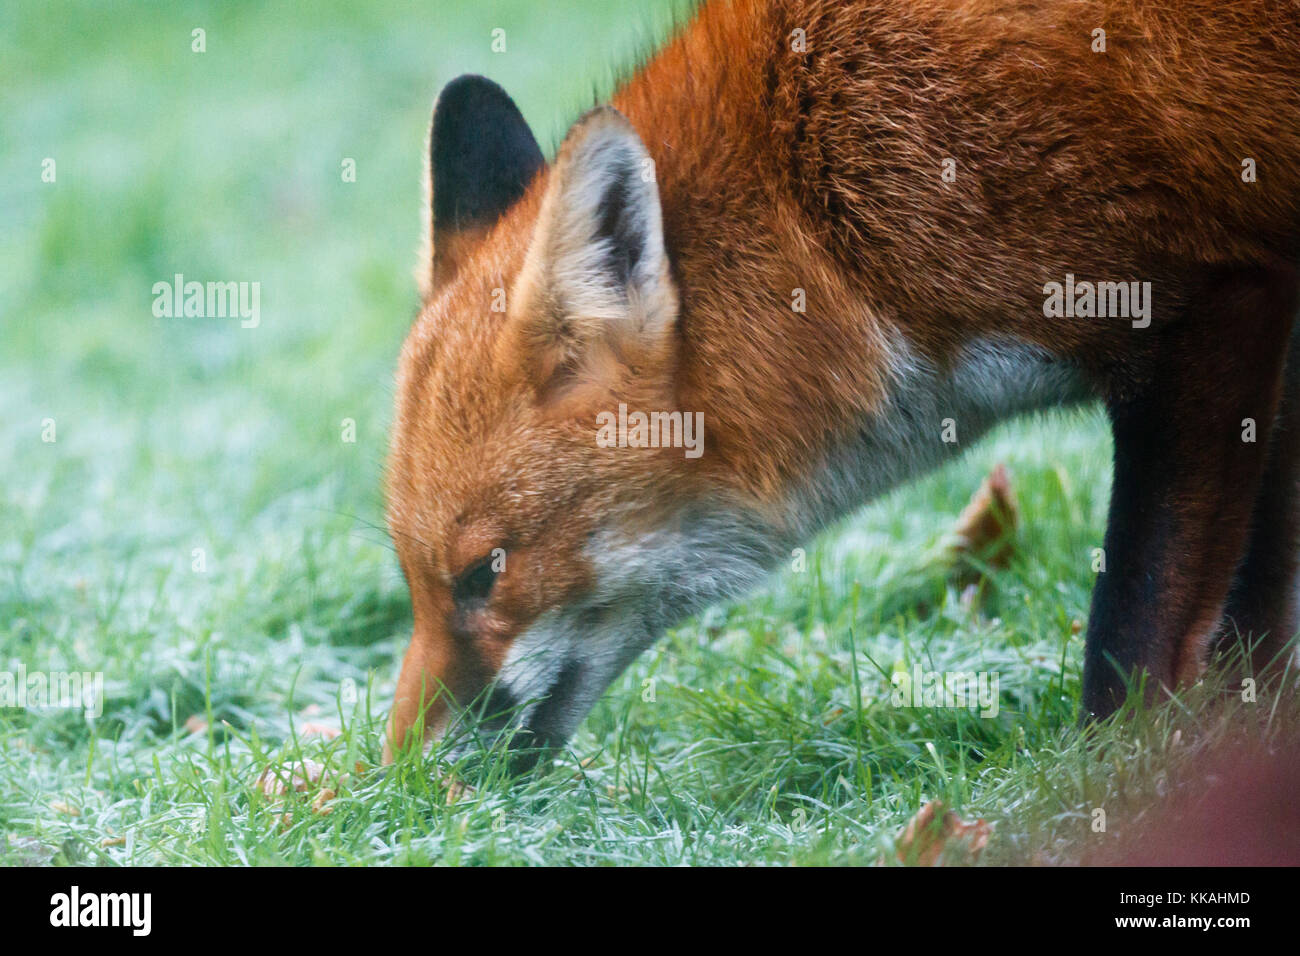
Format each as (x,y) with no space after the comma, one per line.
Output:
(597,261)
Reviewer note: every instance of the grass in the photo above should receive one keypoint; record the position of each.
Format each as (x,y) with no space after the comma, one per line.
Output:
(200,532)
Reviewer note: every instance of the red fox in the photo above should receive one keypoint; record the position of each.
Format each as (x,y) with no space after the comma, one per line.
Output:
(836,236)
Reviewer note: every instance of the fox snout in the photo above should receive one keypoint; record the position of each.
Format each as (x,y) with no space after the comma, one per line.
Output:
(498,723)
(547,682)
(528,692)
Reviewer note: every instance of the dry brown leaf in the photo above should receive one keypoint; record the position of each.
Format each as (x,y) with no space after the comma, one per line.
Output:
(933,830)
(985,527)
(321,803)
(456,791)
(113,841)
(275,781)
(194,724)
(67,809)
(301,777)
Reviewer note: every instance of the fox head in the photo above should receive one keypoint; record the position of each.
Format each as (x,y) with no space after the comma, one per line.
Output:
(541,560)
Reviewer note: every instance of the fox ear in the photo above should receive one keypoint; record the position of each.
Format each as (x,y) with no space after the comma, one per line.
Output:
(595,299)
(482,156)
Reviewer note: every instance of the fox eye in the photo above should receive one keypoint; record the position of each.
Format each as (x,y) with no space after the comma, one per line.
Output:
(475,584)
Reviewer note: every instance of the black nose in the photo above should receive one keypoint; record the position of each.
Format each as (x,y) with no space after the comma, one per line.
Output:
(545,720)
(499,705)
(531,728)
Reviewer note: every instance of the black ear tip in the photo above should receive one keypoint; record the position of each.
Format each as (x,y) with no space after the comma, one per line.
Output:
(470,90)
(481,152)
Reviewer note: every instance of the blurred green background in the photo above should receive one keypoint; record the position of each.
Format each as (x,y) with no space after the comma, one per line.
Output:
(176,434)
(226,165)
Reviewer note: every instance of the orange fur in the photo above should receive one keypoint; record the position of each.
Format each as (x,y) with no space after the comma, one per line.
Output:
(820,170)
